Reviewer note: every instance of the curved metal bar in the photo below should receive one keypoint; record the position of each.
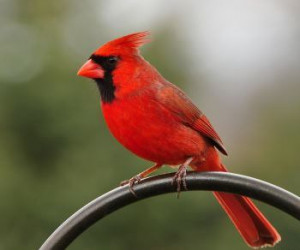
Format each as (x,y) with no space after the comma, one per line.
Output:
(212,181)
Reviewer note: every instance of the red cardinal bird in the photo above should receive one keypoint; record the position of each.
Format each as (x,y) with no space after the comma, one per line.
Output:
(158,122)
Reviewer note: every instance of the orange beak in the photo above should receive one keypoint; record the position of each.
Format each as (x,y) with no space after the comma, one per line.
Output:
(91,70)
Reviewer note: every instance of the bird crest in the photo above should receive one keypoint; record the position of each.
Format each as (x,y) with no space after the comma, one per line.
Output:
(128,44)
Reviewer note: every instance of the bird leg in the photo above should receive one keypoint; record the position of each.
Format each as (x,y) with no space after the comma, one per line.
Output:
(180,176)
(137,178)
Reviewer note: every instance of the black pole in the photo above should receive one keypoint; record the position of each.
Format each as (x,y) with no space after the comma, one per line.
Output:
(209,181)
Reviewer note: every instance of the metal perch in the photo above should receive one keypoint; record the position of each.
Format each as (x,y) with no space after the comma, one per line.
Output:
(208,181)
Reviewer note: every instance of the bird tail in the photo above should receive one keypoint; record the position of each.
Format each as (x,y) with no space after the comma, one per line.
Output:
(253,226)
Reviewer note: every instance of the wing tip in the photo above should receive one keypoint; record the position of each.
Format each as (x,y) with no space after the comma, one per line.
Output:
(221,148)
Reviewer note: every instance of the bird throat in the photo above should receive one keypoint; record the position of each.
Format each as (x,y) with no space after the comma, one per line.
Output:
(106,87)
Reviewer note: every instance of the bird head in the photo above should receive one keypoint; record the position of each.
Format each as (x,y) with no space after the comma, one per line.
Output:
(122,55)
(109,56)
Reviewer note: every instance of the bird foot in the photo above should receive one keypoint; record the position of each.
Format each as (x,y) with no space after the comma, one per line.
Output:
(180,179)
(132,181)
(180,176)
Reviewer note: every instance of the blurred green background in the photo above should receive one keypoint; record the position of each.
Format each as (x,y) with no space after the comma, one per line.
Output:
(238,60)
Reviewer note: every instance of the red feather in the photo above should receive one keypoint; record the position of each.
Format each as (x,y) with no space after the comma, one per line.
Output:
(249,221)
(186,112)
(125,45)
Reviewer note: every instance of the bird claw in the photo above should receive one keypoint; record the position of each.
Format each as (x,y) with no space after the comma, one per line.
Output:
(132,181)
(180,179)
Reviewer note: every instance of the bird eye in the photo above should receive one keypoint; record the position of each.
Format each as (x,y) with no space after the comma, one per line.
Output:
(112,60)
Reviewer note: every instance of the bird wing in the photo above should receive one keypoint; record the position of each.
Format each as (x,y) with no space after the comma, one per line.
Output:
(187,113)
